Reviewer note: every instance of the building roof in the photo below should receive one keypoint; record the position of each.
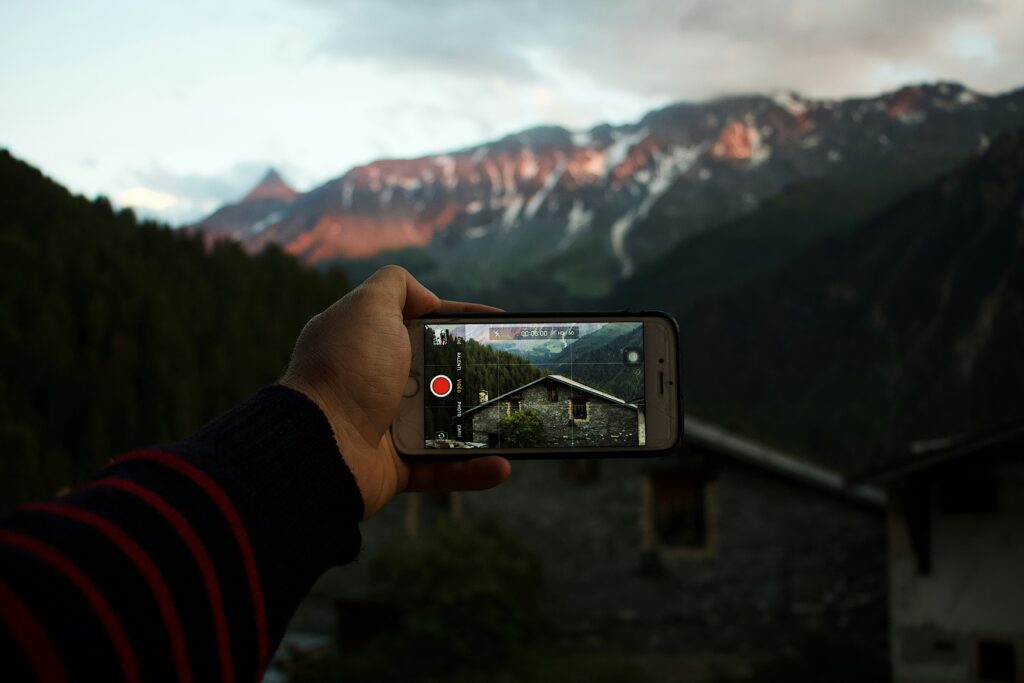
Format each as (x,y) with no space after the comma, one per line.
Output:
(562,380)
(932,453)
(739,448)
(766,458)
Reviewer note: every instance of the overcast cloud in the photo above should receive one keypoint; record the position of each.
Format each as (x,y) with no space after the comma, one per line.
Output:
(692,49)
(159,104)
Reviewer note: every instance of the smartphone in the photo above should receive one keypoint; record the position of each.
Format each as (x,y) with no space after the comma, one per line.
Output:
(541,386)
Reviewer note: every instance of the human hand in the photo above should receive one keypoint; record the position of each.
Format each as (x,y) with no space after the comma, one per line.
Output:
(353,361)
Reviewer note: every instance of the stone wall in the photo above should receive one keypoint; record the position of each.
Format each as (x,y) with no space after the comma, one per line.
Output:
(607,423)
(781,560)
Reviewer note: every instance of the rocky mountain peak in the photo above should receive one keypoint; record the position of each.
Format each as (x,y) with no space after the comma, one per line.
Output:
(738,140)
(595,203)
(271,186)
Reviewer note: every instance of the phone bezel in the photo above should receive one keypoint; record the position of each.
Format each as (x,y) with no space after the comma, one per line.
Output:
(663,413)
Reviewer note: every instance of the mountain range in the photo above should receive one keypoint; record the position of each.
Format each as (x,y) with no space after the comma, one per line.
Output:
(865,299)
(907,325)
(573,214)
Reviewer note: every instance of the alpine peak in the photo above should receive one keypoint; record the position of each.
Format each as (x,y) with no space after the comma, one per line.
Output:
(604,199)
(271,186)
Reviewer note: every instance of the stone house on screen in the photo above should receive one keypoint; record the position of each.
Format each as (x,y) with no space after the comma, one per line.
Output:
(697,563)
(573,415)
(956,558)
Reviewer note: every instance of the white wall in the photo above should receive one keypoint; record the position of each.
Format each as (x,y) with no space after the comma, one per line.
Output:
(975,589)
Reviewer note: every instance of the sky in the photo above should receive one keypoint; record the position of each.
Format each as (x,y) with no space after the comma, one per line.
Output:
(174,108)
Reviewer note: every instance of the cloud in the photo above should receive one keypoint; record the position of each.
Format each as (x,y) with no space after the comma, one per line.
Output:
(146,199)
(688,48)
(445,36)
(180,198)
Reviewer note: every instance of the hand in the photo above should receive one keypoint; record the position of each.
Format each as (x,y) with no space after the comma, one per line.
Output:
(353,361)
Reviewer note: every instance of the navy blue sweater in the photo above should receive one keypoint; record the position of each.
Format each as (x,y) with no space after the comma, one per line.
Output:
(182,562)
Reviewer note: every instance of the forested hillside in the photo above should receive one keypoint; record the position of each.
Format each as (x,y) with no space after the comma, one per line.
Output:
(773,234)
(116,334)
(908,326)
(597,361)
(485,369)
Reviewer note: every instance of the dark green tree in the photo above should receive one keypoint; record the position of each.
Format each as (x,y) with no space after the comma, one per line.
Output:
(521,429)
(468,597)
(116,333)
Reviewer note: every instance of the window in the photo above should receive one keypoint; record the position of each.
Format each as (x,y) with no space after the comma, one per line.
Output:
(580,409)
(515,405)
(996,661)
(679,515)
(552,393)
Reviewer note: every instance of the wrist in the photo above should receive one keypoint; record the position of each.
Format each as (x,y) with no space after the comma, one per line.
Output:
(362,451)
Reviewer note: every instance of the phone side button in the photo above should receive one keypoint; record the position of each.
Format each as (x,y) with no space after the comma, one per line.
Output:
(412,387)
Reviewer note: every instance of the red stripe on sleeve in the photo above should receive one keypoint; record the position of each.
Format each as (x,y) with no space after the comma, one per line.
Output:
(30,636)
(198,551)
(223,502)
(147,568)
(88,589)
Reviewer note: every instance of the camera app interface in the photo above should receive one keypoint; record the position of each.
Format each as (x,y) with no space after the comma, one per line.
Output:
(534,385)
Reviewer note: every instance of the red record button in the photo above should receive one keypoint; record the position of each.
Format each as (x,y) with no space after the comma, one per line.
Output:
(441,386)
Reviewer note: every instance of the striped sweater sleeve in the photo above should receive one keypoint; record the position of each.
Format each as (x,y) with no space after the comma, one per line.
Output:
(183,562)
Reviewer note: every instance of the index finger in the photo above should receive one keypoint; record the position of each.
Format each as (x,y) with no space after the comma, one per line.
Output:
(403,291)
(469,475)
(446,306)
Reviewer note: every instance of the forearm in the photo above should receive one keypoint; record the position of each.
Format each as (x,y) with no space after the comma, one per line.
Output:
(185,561)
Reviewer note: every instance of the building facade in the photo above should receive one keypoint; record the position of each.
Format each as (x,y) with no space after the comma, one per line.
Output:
(572,415)
(699,563)
(956,559)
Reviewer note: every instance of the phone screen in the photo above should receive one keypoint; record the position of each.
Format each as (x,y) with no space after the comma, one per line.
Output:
(541,385)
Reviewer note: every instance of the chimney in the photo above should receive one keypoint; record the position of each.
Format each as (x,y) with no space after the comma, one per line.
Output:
(483,396)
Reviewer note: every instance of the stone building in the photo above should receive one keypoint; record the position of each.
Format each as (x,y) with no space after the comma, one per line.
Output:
(699,562)
(956,558)
(572,413)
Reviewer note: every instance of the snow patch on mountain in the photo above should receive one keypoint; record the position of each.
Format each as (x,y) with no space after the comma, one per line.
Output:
(347,188)
(375,184)
(912,118)
(791,103)
(508,219)
(615,153)
(494,175)
(582,138)
(669,167)
(479,154)
(540,195)
(264,223)
(577,221)
(966,97)
(528,168)
(508,176)
(811,141)
(446,166)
